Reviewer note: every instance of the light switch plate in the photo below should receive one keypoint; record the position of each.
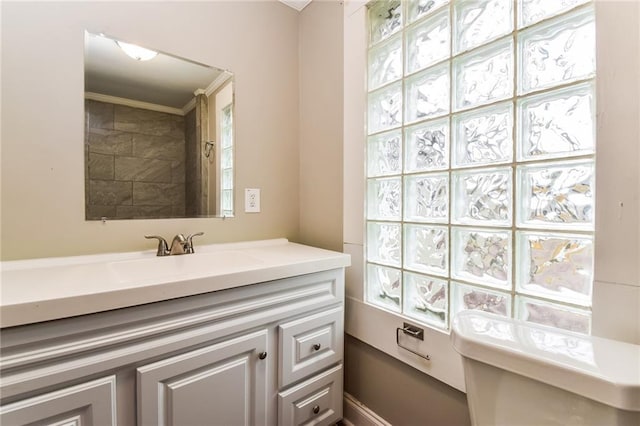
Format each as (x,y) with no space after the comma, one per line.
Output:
(252,200)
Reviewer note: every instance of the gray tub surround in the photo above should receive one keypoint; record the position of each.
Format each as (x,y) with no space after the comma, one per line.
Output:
(135,162)
(246,333)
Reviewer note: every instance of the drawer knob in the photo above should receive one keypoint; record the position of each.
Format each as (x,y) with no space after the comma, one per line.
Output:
(262,355)
(316,347)
(316,409)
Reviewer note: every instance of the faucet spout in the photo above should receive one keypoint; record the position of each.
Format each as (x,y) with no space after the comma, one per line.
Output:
(178,245)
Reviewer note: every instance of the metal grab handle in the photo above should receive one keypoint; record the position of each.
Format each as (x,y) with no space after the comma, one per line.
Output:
(262,355)
(316,409)
(189,245)
(163,246)
(317,347)
(416,333)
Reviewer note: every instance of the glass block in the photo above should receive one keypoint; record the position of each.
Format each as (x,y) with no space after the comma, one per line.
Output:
(226,161)
(482,256)
(532,11)
(384,198)
(227,179)
(466,297)
(484,76)
(385,62)
(426,299)
(416,9)
(385,19)
(385,108)
(484,136)
(384,154)
(427,146)
(493,330)
(556,195)
(227,201)
(482,197)
(555,266)
(428,42)
(383,243)
(227,128)
(427,94)
(480,21)
(427,198)
(384,287)
(560,51)
(554,315)
(426,249)
(557,124)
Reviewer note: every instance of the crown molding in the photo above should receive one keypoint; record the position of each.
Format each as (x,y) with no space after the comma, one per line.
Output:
(132,103)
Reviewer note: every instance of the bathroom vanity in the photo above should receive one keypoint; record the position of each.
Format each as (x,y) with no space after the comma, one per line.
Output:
(235,334)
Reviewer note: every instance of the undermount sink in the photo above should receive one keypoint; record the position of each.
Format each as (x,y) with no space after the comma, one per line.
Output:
(185,266)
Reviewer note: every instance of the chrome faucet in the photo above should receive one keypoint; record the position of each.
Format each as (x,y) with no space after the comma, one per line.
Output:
(179,245)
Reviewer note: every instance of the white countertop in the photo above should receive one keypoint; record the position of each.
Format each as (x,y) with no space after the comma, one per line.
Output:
(46,289)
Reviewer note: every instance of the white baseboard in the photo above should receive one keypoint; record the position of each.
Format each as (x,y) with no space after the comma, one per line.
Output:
(357,414)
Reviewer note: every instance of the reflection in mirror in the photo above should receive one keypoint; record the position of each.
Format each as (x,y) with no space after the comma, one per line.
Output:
(159,137)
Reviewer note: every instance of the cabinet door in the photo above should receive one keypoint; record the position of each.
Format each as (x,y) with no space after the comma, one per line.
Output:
(91,403)
(220,384)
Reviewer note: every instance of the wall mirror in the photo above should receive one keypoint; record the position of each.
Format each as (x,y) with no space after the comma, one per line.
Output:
(159,135)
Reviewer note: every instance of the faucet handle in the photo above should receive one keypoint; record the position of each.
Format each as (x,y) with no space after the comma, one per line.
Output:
(163,247)
(188,247)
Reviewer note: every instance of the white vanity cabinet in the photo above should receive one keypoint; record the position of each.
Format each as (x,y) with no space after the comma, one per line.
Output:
(263,354)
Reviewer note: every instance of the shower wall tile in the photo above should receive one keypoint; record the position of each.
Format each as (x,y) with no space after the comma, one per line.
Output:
(98,212)
(177,172)
(110,142)
(147,122)
(110,193)
(178,211)
(100,114)
(101,166)
(160,147)
(142,169)
(140,212)
(135,162)
(157,194)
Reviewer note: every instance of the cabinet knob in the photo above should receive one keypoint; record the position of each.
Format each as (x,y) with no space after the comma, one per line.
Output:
(262,355)
(316,347)
(316,409)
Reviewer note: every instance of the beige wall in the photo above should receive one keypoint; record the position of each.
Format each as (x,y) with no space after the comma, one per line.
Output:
(42,195)
(320,119)
(398,393)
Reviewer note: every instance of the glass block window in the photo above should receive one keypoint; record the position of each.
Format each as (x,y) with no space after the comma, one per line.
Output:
(480,159)
(226,162)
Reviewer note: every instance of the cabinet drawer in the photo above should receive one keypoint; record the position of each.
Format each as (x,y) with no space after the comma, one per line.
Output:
(317,401)
(309,344)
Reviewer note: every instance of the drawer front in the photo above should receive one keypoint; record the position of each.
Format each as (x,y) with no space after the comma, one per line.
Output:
(309,344)
(317,401)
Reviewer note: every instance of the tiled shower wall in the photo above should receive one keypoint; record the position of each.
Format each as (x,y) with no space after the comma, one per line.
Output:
(135,162)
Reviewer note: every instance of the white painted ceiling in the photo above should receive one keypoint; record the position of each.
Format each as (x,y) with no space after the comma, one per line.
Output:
(164,80)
